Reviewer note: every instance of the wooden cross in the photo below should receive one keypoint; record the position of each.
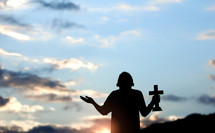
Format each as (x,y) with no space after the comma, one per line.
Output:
(156,92)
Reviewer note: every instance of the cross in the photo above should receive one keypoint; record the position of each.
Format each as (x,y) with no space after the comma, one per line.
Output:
(156,92)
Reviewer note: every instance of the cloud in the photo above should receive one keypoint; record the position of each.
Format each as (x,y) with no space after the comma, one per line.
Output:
(212,77)
(5,53)
(151,6)
(125,8)
(14,106)
(42,89)
(109,41)
(168,1)
(90,125)
(60,24)
(173,98)
(212,63)
(56,5)
(9,19)
(73,64)
(73,41)
(3,101)
(206,99)
(211,8)
(11,129)
(11,32)
(32,85)
(207,35)
(13,4)
(18,126)
(36,127)
(27,81)
(131,32)
(50,97)
(24,33)
(155,118)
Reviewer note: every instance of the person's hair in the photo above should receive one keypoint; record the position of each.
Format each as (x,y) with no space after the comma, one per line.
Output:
(125,79)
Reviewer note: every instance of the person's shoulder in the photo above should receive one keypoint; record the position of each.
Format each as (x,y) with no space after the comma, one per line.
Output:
(135,91)
(115,92)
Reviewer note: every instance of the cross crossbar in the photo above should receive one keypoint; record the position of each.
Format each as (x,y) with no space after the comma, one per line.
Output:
(156,91)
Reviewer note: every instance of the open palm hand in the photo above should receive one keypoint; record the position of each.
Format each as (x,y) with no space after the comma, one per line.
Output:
(87,99)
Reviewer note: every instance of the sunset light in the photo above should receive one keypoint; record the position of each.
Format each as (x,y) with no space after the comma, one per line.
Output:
(60,62)
(103,131)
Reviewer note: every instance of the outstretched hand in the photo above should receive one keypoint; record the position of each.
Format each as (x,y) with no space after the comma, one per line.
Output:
(87,99)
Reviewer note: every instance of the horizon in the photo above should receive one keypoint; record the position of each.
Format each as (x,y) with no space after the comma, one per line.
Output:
(52,52)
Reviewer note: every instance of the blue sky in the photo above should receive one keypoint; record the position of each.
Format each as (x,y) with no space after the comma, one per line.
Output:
(53,51)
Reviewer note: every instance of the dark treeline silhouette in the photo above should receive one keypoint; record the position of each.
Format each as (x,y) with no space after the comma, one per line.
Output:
(192,123)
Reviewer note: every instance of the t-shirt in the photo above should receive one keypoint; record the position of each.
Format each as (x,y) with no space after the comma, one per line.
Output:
(125,106)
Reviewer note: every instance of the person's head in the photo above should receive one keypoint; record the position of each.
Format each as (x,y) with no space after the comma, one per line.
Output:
(125,80)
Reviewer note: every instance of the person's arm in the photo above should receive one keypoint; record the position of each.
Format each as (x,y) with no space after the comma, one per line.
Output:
(145,110)
(100,109)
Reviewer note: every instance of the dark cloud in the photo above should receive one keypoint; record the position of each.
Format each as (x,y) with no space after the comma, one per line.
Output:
(206,99)
(56,5)
(25,80)
(173,98)
(73,105)
(9,19)
(60,24)
(11,129)
(3,101)
(31,85)
(212,77)
(50,98)
(53,129)
(104,123)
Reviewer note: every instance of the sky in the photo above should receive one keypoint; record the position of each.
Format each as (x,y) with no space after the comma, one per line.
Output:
(53,51)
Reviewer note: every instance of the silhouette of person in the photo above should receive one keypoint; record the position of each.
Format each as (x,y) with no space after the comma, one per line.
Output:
(125,105)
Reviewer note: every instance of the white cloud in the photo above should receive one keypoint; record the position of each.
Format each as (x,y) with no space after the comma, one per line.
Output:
(212,63)
(150,6)
(5,53)
(73,41)
(16,107)
(131,32)
(109,41)
(207,35)
(24,125)
(11,32)
(24,33)
(70,83)
(211,8)
(94,94)
(13,4)
(125,7)
(73,64)
(155,118)
(168,1)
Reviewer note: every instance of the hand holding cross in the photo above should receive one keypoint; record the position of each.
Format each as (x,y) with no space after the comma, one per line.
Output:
(156,92)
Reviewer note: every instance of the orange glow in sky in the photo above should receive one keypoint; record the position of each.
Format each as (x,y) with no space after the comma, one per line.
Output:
(105,130)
